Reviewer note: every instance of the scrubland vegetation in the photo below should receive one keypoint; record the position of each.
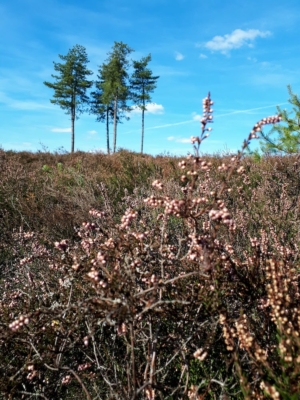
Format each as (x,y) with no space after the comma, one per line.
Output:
(127,276)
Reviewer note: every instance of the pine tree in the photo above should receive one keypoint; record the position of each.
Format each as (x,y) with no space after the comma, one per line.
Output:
(142,83)
(102,105)
(115,82)
(288,138)
(71,85)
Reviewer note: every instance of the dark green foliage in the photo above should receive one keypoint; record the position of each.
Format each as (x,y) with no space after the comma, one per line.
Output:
(71,84)
(102,105)
(142,83)
(114,82)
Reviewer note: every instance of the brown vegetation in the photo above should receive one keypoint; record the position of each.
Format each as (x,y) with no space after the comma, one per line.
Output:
(179,281)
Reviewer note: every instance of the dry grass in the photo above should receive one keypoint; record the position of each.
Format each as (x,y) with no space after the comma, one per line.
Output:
(180,280)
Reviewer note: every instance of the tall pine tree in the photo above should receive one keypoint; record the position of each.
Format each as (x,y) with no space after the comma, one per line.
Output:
(142,83)
(101,105)
(71,85)
(115,82)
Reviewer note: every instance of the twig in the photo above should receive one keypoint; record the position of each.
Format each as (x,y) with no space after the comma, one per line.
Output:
(34,394)
(160,302)
(171,281)
(94,347)
(80,381)
(133,360)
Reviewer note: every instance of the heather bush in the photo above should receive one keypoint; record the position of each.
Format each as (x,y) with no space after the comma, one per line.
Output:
(187,289)
(52,193)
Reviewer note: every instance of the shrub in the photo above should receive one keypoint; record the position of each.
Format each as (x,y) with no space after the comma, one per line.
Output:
(192,293)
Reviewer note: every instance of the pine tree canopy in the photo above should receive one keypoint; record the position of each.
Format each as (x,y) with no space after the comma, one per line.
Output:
(288,132)
(71,83)
(142,82)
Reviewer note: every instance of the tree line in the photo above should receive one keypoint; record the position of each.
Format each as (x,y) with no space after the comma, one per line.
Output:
(115,90)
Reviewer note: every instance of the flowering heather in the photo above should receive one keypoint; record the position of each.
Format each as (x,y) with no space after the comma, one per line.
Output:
(187,287)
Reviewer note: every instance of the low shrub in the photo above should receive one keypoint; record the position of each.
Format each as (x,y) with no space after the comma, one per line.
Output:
(191,293)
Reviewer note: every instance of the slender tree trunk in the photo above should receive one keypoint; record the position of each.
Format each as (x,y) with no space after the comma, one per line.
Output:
(73,114)
(115,123)
(107,129)
(143,119)
(73,132)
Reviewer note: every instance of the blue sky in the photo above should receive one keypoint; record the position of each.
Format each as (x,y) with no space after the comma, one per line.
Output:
(244,52)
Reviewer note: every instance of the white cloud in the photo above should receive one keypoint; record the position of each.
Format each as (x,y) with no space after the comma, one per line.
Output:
(152,108)
(178,56)
(185,140)
(235,40)
(197,117)
(179,140)
(61,130)
(92,132)
(202,56)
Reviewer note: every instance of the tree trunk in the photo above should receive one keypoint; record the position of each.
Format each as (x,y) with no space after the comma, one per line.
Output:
(115,123)
(107,129)
(73,132)
(142,141)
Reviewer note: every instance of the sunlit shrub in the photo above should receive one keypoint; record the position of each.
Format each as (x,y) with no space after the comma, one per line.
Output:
(191,292)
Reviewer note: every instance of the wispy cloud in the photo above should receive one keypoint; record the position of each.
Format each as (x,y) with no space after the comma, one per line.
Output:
(184,140)
(277,80)
(152,108)
(179,140)
(197,117)
(188,140)
(61,130)
(178,56)
(93,132)
(22,105)
(164,70)
(28,105)
(202,56)
(234,40)
(168,125)
(249,110)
